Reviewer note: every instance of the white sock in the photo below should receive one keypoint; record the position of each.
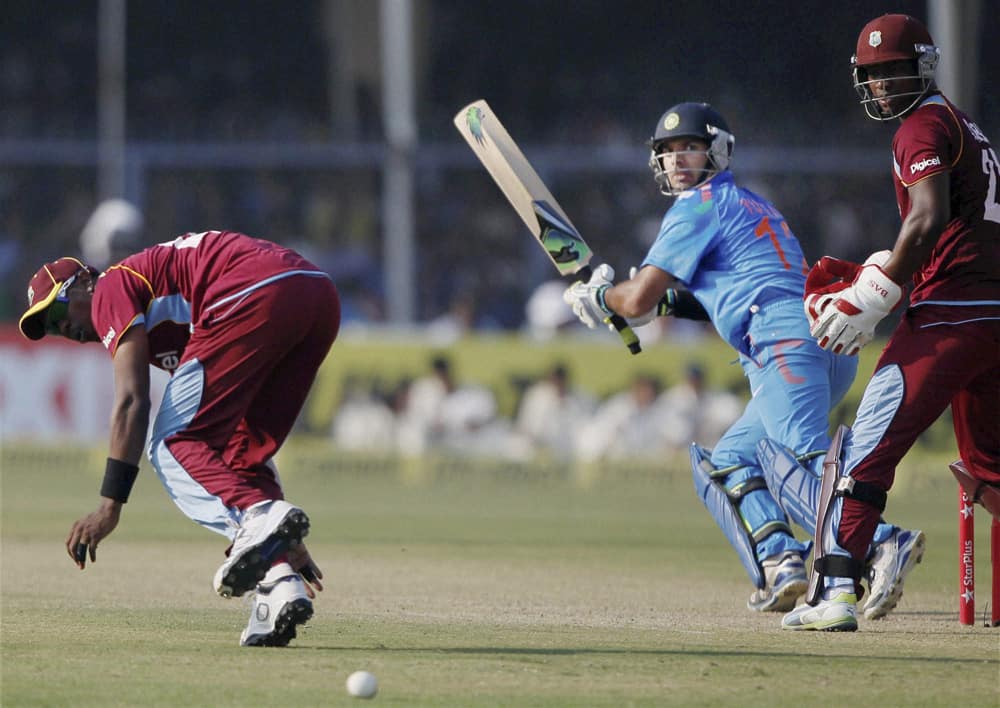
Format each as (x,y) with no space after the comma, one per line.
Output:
(277,572)
(833,586)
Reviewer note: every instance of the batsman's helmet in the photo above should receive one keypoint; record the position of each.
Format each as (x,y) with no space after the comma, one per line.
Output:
(894,38)
(690,120)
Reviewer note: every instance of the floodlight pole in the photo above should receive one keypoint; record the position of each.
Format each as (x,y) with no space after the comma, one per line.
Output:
(400,122)
(111,99)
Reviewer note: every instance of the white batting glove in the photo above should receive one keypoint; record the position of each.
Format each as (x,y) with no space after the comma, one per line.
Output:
(847,323)
(587,299)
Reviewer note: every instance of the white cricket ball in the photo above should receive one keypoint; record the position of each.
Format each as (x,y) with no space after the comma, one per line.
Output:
(362,684)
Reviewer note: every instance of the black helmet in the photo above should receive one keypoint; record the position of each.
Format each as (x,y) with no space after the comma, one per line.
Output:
(695,120)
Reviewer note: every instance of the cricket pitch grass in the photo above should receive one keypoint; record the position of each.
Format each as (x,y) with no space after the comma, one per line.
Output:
(483,587)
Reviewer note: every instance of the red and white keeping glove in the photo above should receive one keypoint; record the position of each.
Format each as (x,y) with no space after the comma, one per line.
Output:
(846,315)
(825,281)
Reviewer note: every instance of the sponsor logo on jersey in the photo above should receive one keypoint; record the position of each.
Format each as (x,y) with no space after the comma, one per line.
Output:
(168,360)
(924,164)
(108,338)
(875,38)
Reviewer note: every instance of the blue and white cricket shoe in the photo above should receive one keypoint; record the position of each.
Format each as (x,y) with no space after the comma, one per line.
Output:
(784,582)
(892,561)
(268,529)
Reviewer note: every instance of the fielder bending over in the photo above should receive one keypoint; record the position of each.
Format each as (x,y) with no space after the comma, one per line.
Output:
(242,326)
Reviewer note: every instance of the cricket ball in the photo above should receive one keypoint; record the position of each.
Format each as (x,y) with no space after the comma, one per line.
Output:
(362,684)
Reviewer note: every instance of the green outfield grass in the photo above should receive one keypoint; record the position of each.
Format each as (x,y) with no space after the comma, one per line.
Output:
(462,585)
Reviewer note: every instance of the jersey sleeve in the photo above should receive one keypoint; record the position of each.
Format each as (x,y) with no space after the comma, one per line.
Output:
(119,304)
(688,231)
(927,144)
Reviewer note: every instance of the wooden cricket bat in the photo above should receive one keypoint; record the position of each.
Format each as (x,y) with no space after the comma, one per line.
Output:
(531,199)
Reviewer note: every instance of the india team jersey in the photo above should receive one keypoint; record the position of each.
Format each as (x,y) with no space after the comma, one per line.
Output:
(178,286)
(733,250)
(964,266)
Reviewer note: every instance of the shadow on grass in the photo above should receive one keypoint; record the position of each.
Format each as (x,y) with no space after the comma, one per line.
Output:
(597,651)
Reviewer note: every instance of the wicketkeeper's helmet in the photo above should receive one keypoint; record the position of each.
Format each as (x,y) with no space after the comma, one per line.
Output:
(893,38)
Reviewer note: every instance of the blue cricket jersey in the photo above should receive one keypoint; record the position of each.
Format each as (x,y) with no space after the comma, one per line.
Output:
(734,251)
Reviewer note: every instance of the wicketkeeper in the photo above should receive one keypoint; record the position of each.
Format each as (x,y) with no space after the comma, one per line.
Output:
(946,348)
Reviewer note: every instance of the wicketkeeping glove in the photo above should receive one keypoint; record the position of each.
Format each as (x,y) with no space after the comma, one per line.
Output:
(847,322)
(587,299)
(825,281)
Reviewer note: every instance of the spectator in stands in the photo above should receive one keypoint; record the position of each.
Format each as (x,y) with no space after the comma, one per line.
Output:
(695,413)
(112,232)
(365,422)
(628,425)
(550,414)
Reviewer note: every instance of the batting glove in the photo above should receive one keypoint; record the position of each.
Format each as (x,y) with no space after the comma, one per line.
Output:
(587,299)
(847,323)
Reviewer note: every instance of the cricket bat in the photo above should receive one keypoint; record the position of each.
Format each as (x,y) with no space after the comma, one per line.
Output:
(531,199)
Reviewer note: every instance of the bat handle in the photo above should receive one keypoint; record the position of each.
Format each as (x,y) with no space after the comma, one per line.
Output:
(626,333)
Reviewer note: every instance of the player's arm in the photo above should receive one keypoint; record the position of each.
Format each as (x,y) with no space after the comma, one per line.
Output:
(129,422)
(651,290)
(930,210)
(130,413)
(639,294)
(846,322)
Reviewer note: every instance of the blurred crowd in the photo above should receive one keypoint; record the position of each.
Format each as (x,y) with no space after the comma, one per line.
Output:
(258,73)
(553,418)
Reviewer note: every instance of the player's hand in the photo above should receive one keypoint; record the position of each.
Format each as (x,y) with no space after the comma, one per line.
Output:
(847,323)
(89,531)
(587,299)
(303,564)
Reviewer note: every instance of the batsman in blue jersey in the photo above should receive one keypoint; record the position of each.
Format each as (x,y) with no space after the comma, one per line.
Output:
(727,255)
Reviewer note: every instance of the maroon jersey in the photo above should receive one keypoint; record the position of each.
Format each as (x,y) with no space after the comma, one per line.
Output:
(184,284)
(964,266)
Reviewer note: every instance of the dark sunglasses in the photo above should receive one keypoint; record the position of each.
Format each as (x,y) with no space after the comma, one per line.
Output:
(59,309)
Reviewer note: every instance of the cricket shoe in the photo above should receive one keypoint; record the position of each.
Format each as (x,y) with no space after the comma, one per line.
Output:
(279,606)
(835,615)
(891,562)
(268,530)
(784,582)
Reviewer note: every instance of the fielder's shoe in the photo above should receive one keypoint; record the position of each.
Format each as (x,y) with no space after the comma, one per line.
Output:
(268,530)
(836,615)
(785,581)
(892,561)
(279,606)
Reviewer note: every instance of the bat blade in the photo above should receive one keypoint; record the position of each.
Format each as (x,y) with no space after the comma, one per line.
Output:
(522,186)
(560,239)
(531,199)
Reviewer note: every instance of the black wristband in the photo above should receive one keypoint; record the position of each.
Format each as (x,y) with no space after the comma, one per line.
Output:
(683,304)
(118,480)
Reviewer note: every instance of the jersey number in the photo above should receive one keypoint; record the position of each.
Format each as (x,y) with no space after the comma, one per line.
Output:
(764,227)
(991,209)
(188,240)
